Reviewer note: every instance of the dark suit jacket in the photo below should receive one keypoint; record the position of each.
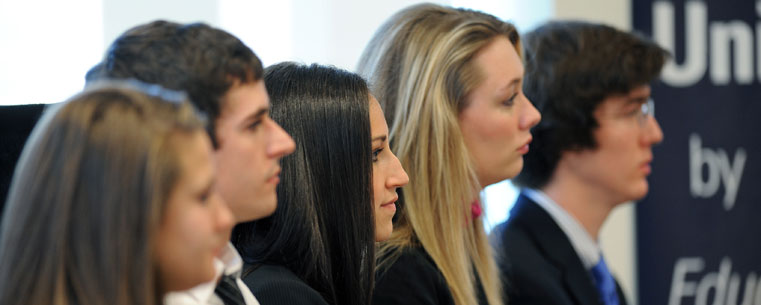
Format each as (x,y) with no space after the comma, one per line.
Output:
(538,263)
(277,285)
(414,279)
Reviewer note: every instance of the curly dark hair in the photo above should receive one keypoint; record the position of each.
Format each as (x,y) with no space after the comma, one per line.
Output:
(203,61)
(571,67)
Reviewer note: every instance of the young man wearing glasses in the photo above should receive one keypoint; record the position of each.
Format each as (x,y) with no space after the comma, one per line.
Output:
(590,153)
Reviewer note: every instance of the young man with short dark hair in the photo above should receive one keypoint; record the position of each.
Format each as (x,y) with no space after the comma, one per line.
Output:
(224,80)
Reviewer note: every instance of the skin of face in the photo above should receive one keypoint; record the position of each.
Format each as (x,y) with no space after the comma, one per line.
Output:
(618,167)
(250,147)
(388,174)
(497,118)
(196,223)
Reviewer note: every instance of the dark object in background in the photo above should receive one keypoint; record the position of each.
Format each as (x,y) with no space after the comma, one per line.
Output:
(16,123)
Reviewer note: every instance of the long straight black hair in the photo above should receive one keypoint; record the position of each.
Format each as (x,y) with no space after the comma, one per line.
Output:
(323,229)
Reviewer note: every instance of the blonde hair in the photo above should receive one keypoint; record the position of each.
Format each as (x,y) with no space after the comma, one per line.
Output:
(88,195)
(419,65)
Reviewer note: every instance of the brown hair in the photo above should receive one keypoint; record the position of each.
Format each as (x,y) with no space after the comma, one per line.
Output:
(87,198)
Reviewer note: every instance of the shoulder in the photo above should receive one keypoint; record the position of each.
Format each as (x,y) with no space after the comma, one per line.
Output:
(413,278)
(275,284)
(529,275)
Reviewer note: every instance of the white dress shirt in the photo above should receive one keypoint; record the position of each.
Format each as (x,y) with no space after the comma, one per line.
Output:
(586,247)
(229,263)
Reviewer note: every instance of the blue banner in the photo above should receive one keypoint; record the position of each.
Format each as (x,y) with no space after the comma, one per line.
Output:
(698,229)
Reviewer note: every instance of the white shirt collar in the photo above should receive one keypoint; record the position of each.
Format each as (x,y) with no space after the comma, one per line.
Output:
(586,247)
(229,262)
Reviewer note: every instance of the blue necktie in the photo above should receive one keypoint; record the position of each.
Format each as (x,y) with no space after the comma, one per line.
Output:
(605,283)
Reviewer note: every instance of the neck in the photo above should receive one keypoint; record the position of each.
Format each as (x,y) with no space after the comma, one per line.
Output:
(588,205)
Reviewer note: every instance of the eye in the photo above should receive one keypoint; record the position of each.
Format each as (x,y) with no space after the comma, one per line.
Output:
(376,152)
(634,110)
(510,101)
(254,125)
(204,197)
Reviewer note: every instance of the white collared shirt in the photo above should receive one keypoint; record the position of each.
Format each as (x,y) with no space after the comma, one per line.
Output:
(229,263)
(586,247)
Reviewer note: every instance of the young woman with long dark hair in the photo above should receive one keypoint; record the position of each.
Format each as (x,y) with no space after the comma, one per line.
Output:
(337,195)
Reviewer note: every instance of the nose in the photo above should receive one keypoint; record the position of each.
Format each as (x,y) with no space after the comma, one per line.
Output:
(530,116)
(280,144)
(652,134)
(224,220)
(398,177)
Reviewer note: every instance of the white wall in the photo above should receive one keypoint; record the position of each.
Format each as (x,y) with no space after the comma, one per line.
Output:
(617,237)
(44,51)
(52,44)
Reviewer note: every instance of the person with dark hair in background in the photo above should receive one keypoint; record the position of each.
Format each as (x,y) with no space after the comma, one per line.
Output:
(591,153)
(449,81)
(223,78)
(112,202)
(337,196)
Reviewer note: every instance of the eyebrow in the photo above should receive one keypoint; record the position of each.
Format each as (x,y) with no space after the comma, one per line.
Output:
(512,83)
(256,115)
(381,138)
(638,100)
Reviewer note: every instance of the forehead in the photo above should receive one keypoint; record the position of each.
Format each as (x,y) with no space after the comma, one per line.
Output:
(377,120)
(244,99)
(499,62)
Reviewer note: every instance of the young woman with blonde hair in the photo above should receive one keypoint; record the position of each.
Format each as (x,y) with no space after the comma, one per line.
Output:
(449,81)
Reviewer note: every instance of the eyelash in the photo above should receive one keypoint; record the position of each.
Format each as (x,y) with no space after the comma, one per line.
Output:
(254,125)
(376,153)
(205,196)
(510,101)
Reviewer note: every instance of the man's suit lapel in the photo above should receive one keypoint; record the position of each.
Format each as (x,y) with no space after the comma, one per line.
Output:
(557,248)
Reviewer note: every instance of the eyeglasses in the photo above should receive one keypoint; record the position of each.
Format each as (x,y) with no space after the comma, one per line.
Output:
(646,110)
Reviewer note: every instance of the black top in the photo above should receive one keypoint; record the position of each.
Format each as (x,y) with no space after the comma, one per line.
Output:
(277,285)
(538,263)
(16,123)
(414,279)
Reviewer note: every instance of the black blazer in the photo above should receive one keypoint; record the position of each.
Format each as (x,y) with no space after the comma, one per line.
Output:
(537,262)
(277,285)
(414,279)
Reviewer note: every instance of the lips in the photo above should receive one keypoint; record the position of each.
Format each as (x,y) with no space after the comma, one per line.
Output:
(523,149)
(275,178)
(645,167)
(390,204)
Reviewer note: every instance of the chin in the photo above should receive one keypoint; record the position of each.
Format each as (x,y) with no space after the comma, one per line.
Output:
(515,168)
(382,234)
(639,191)
(257,210)
(267,207)
(211,274)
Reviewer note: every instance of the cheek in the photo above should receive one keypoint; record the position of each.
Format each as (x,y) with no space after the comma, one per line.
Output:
(489,130)
(191,233)
(620,148)
(378,187)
